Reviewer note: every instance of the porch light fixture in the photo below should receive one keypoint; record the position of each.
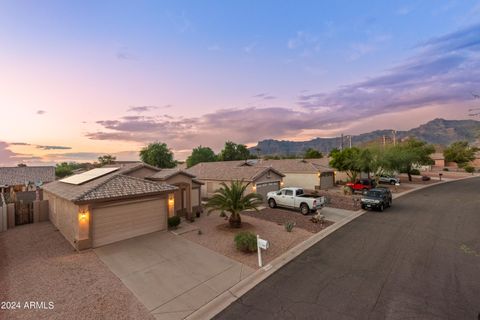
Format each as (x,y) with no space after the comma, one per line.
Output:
(83,216)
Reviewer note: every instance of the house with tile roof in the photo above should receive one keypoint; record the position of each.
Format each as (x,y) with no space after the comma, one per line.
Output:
(117,202)
(261,179)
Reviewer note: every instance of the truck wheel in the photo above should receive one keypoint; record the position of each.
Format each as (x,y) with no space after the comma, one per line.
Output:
(392,182)
(271,203)
(363,207)
(381,208)
(304,209)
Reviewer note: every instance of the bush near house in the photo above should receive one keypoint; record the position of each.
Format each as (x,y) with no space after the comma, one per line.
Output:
(246,241)
(173,222)
(469,169)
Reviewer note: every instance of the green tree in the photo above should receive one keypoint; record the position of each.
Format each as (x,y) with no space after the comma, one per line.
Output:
(66,168)
(201,154)
(233,151)
(158,154)
(406,155)
(348,161)
(460,152)
(106,159)
(311,153)
(233,200)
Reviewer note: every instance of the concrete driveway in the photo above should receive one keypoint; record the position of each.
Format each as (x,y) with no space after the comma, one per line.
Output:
(170,275)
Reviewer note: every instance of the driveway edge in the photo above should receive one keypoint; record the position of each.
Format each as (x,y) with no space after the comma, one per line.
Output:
(214,307)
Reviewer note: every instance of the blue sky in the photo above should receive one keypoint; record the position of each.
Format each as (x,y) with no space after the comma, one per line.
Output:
(114,75)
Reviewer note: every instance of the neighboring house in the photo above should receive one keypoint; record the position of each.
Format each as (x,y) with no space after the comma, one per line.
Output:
(301,173)
(16,180)
(439,159)
(212,174)
(108,204)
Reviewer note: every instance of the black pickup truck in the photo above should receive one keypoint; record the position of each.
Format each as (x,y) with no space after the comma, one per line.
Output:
(377,198)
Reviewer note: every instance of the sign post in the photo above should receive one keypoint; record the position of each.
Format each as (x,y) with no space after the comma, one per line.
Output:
(261,244)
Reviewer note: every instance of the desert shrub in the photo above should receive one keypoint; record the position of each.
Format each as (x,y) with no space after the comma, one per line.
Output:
(246,241)
(318,218)
(289,225)
(445,169)
(173,222)
(469,169)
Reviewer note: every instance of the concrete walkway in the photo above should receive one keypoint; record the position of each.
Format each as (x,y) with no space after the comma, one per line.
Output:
(170,275)
(336,215)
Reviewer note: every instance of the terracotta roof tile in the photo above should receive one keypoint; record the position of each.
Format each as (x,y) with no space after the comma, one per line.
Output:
(18,175)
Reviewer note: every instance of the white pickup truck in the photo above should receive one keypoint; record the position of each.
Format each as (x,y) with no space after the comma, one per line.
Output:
(295,198)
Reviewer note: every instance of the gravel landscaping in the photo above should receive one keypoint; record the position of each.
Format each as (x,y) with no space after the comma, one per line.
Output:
(217,236)
(38,264)
(281,216)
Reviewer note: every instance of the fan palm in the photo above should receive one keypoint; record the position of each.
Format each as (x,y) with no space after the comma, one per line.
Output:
(233,200)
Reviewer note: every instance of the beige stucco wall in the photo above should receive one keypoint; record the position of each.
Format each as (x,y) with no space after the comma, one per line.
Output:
(301,180)
(64,215)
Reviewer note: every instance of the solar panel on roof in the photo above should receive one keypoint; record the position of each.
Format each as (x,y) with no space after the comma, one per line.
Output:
(88,176)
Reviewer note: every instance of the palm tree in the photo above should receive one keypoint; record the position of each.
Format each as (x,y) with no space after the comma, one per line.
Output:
(232,199)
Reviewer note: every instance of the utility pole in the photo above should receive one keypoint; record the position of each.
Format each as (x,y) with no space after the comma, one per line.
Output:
(384,141)
(350,139)
(341,143)
(394,132)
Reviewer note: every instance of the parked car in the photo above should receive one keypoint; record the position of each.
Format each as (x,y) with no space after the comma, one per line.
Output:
(362,185)
(378,198)
(388,179)
(295,198)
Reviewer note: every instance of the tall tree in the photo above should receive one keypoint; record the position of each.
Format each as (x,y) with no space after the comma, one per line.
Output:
(348,161)
(311,153)
(201,154)
(233,200)
(406,155)
(106,159)
(158,154)
(233,151)
(460,152)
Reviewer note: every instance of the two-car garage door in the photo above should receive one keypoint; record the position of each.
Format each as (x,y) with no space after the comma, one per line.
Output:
(125,220)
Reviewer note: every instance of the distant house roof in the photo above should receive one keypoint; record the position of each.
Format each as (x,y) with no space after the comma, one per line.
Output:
(437,156)
(294,166)
(229,170)
(12,176)
(111,186)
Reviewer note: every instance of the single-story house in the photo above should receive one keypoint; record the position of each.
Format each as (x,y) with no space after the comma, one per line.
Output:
(261,179)
(116,202)
(22,181)
(301,173)
(439,159)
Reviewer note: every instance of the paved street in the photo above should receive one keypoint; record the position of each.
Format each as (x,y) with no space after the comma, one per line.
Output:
(417,260)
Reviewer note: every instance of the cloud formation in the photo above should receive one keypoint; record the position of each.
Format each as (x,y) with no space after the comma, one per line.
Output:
(53,147)
(10,158)
(442,71)
(40,112)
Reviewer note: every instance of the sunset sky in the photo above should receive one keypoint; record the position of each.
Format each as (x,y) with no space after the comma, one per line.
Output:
(83,78)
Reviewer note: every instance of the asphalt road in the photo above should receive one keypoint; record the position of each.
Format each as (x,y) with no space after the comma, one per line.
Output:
(419,259)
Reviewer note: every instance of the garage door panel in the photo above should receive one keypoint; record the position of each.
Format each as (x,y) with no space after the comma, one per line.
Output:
(264,188)
(127,220)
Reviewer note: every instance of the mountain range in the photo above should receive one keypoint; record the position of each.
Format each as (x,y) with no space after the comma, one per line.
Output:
(439,132)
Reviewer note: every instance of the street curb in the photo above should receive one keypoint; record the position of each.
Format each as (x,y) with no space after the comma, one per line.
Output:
(221,302)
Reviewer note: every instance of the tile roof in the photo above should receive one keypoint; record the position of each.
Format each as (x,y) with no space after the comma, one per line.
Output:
(228,170)
(18,175)
(164,174)
(293,165)
(121,186)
